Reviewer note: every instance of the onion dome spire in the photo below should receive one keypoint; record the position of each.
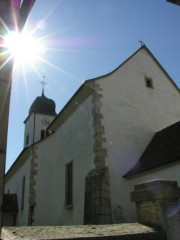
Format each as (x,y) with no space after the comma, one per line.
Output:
(42,104)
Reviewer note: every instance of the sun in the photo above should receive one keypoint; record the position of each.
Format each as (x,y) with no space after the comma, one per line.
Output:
(23,48)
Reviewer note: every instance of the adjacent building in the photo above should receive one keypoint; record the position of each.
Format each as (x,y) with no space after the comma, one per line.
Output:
(177,2)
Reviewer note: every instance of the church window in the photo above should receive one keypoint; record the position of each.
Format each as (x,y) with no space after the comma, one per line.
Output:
(149,82)
(22,193)
(27,139)
(42,134)
(69,184)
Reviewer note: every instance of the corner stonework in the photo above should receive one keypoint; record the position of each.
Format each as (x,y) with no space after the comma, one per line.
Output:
(32,186)
(97,207)
(100,152)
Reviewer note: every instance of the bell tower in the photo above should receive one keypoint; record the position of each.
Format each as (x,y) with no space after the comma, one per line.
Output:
(41,114)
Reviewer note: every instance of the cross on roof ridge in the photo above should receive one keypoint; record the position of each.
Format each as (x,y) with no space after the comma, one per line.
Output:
(43,82)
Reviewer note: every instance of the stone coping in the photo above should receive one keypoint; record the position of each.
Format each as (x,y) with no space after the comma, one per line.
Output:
(114,231)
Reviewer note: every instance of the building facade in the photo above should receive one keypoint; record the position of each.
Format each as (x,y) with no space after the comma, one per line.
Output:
(7,23)
(82,170)
(177,2)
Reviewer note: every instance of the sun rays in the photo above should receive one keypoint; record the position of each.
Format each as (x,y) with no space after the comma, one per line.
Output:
(23,48)
(31,50)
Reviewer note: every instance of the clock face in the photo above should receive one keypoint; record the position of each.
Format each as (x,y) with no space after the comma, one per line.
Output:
(45,122)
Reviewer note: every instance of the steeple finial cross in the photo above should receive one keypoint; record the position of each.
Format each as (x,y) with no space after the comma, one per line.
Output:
(141,42)
(43,82)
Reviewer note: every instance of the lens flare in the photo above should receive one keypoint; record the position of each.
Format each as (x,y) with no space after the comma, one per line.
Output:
(23,48)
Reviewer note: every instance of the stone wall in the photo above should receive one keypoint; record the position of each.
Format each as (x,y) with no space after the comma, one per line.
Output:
(97,209)
(100,232)
(158,206)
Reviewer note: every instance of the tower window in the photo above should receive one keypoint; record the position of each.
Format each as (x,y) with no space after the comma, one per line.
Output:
(149,82)
(69,184)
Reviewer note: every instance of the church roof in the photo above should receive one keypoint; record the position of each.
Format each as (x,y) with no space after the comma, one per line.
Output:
(87,83)
(43,105)
(163,149)
(177,2)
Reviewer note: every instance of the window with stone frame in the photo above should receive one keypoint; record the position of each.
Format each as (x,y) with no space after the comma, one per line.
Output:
(69,184)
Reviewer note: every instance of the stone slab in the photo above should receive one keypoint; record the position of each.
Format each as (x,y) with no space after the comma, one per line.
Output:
(133,231)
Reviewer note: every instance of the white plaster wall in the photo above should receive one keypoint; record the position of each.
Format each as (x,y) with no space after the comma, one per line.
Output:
(29,129)
(72,142)
(14,185)
(33,127)
(132,113)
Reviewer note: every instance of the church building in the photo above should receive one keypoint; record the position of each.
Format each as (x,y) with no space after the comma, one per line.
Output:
(80,165)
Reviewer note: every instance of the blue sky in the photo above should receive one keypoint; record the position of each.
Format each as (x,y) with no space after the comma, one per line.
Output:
(86,39)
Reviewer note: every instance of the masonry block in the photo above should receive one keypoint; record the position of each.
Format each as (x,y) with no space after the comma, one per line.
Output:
(158,205)
(97,209)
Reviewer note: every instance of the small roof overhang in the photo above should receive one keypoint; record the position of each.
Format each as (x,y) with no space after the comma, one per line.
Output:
(177,2)
(163,149)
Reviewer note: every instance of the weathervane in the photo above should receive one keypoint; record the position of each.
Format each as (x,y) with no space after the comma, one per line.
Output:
(43,82)
(141,42)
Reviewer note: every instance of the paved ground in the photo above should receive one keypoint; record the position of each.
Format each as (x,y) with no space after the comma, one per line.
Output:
(72,232)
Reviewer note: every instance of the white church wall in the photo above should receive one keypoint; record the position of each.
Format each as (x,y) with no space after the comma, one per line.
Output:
(132,113)
(14,185)
(73,141)
(28,131)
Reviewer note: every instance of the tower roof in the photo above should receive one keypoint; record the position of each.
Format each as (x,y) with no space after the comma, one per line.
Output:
(43,105)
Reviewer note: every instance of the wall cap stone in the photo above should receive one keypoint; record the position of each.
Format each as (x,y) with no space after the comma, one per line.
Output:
(157,189)
(155,183)
(129,231)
